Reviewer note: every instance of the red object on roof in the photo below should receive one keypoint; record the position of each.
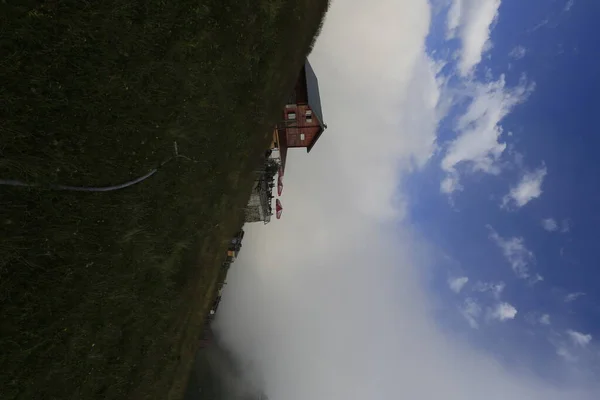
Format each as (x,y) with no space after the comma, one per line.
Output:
(279,184)
(278,209)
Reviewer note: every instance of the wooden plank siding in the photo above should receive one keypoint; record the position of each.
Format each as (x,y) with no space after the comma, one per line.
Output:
(301,125)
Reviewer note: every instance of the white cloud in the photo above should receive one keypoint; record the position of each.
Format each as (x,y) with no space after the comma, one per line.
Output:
(328,302)
(535,279)
(566,354)
(545,319)
(495,289)
(503,312)
(569,4)
(450,184)
(478,143)
(535,318)
(541,24)
(573,296)
(471,310)
(549,224)
(515,252)
(578,338)
(457,284)
(552,225)
(529,188)
(517,52)
(471,21)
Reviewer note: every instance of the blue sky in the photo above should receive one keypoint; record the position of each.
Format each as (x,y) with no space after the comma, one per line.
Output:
(437,241)
(554,127)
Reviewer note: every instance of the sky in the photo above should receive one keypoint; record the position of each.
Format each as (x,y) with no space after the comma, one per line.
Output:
(439,240)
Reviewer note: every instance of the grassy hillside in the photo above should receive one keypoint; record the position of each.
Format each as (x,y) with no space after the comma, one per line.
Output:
(219,375)
(103,295)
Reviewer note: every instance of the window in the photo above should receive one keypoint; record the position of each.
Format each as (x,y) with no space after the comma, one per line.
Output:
(292,116)
(302,137)
(309,116)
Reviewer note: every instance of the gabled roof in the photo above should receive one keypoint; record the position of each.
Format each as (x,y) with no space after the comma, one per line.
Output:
(314,100)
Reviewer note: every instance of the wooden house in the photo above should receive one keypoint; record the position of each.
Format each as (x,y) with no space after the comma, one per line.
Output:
(302,121)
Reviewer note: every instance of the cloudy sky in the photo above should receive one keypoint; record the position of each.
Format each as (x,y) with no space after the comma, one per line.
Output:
(438,242)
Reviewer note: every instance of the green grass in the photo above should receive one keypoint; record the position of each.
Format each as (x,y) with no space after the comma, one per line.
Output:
(103,295)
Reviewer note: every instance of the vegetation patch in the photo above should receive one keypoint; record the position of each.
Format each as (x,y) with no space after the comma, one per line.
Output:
(103,295)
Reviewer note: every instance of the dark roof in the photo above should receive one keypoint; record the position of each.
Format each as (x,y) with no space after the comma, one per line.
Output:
(314,100)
